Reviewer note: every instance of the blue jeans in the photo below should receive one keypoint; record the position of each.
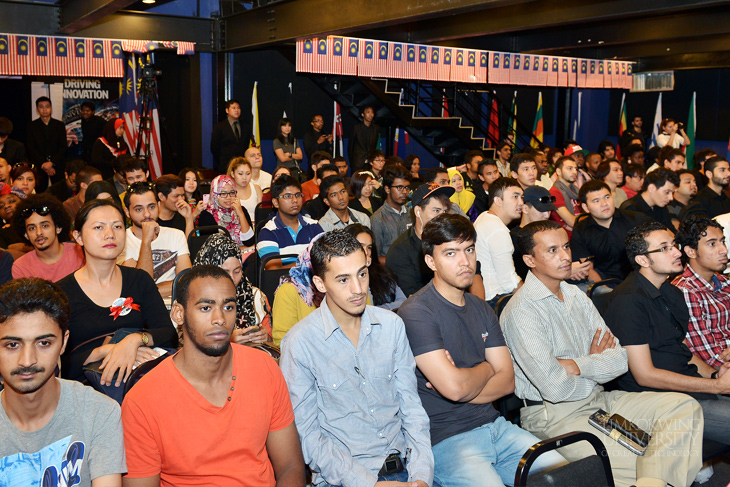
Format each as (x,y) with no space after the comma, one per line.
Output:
(717,419)
(401,476)
(487,455)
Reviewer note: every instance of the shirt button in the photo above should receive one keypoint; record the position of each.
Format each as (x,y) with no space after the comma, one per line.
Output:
(334,385)
(388,376)
(363,382)
(371,411)
(380,434)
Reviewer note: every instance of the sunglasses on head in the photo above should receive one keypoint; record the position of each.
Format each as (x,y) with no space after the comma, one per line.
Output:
(41,210)
(546,199)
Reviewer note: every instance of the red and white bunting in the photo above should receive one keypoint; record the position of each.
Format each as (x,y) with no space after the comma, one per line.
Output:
(349,58)
(305,55)
(434,59)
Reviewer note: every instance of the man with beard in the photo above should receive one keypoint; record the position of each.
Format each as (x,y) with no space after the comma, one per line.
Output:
(51,429)
(361,421)
(393,218)
(160,251)
(43,222)
(651,318)
(711,200)
(221,411)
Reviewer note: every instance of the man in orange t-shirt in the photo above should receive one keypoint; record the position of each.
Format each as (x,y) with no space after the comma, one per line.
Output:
(216,413)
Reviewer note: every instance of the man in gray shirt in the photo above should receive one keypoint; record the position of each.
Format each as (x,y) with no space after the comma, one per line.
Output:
(393,218)
(350,374)
(56,430)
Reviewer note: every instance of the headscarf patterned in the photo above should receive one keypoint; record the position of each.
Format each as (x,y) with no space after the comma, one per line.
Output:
(225,217)
(300,276)
(215,251)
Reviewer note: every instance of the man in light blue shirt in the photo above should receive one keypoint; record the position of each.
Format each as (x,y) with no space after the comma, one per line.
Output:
(351,378)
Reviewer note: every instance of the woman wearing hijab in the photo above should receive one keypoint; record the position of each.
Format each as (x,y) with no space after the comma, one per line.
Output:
(108,147)
(462,197)
(253,320)
(225,210)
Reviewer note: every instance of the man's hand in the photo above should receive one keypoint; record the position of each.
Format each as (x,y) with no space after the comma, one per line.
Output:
(145,354)
(150,230)
(608,341)
(724,356)
(48,168)
(721,371)
(184,208)
(199,207)
(251,335)
(569,365)
(579,270)
(322,138)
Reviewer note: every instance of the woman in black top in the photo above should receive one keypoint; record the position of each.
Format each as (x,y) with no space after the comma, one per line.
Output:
(361,186)
(108,147)
(105,298)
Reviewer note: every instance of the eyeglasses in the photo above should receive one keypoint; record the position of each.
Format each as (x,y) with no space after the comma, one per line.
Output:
(288,196)
(546,199)
(42,211)
(400,187)
(230,194)
(663,249)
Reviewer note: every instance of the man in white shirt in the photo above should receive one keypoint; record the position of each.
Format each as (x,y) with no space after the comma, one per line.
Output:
(494,244)
(258,175)
(162,252)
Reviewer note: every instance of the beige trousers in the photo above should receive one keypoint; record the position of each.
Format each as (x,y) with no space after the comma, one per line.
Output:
(674,421)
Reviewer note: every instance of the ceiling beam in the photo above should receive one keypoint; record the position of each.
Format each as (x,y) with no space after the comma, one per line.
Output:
(287,21)
(79,14)
(686,61)
(28,18)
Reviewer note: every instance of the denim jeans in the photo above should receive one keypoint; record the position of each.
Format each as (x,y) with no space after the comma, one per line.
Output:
(401,476)
(717,419)
(487,455)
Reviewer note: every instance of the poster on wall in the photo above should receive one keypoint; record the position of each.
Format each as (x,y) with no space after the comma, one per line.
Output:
(103,92)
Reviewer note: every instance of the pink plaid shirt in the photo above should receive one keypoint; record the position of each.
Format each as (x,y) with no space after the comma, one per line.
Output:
(709,314)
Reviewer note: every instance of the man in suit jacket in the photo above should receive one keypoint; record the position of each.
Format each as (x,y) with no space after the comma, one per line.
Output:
(231,137)
(46,144)
(10,150)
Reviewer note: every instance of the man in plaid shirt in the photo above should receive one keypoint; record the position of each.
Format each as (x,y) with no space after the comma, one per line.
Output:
(706,290)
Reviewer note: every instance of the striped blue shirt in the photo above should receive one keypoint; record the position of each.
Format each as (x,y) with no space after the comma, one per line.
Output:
(275,238)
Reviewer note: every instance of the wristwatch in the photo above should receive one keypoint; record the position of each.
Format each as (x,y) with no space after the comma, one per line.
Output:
(145,339)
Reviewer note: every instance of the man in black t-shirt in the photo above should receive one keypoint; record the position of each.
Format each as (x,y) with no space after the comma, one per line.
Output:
(650,318)
(174,212)
(463,366)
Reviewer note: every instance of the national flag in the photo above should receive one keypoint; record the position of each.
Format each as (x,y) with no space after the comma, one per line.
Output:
(410,65)
(21,55)
(39,64)
(305,55)
(135,46)
(95,65)
(512,124)
(622,124)
(444,106)
(527,69)
(515,74)
(4,54)
(629,80)
(320,62)
(573,74)
(395,141)
(657,122)
(535,71)
(622,77)
(583,74)
(349,60)
(445,66)
(591,82)
(154,140)
(616,75)
(406,137)
(337,49)
(471,66)
(78,58)
(381,63)
(544,71)
(691,131)
(128,102)
(366,58)
(255,116)
(396,61)
(185,48)
(434,57)
(422,62)
(576,120)
(58,56)
(337,132)
(289,103)
(537,130)
(506,67)
(563,73)
(600,74)
(608,75)
(113,61)
(480,71)
(493,129)
(552,79)
(459,68)
(495,67)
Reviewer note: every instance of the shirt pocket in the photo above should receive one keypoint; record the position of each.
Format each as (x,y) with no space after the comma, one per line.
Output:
(384,378)
(337,391)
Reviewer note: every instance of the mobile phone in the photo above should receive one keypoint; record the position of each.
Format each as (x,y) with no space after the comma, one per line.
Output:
(252,329)
(586,259)
(206,197)
(629,430)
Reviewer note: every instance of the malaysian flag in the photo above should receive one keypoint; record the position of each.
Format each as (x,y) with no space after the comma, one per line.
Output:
(128,102)
(605,78)
(542,79)
(139,47)
(527,69)
(78,58)
(629,80)
(422,66)
(563,74)
(113,61)
(622,76)
(381,63)
(366,58)
(185,48)
(22,54)
(321,58)
(337,49)
(534,76)
(59,57)
(96,63)
(458,69)
(616,75)
(395,63)
(506,67)
(39,64)
(592,74)
(515,75)
(305,54)
(481,69)
(434,56)
(410,66)
(471,67)
(583,74)
(495,67)
(349,60)
(4,54)
(445,66)
(552,79)
(573,75)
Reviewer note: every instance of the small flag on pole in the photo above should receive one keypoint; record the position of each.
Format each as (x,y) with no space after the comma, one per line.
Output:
(337,132)
(657,121)
(513,119)
(691,129)
(537,130)
(255,113)
(622,124)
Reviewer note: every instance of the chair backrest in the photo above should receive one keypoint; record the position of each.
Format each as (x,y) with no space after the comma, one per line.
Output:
(197,238)
(263,211)
(174,284)
(592,471)
(501,303)
(269,279)
(141,371)
(597,293)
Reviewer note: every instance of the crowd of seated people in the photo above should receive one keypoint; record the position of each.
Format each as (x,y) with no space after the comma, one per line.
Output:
(379,357)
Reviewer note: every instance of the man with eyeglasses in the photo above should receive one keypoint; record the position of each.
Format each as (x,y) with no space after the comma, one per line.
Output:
(316,140)
(334,194)
(160,251)
(45,224)
(393,218)
(288,232)
(650,317)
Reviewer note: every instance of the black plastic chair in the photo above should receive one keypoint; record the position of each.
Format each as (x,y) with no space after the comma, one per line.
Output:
(141,371)
(263,211)
(197,238)
(601,300)
(592,471)
(269,279)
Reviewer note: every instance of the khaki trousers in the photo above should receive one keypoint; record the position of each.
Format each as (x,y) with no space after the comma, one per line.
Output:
(674,421)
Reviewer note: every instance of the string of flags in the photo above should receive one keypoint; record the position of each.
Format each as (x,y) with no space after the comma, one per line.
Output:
(372,58)
(26,55)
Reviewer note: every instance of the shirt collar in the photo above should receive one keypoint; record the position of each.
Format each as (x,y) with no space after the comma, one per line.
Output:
(280,224)
(644,283)
(718,280)
(402,211)
(537,290)
(330,325)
